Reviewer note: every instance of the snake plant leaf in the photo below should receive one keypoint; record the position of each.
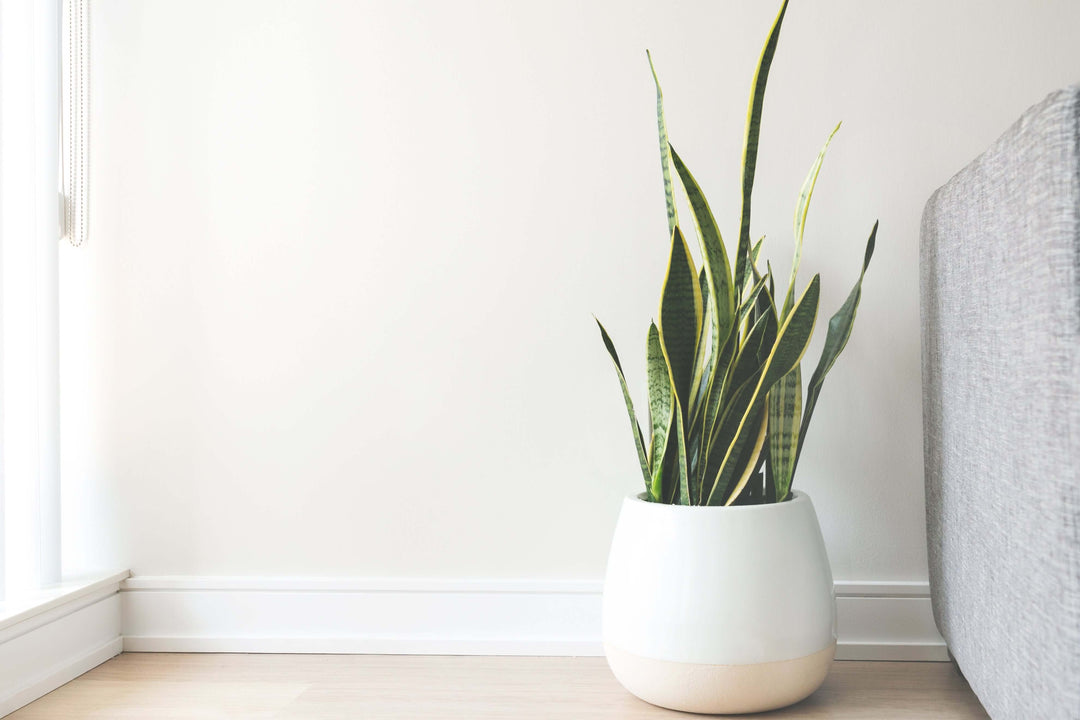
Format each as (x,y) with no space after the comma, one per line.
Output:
(639,439)
(791,343)
(751,465)
(750,268)
(746,360)
(665,152)
(769,274)
(719,474)
(749,361)
(767,307)
(801,209)
(684,474)
(720,309)
(751,298)
(714,256)
(836,339)
(694,457)
(713,403)
(785,411)
(680,316)
(661,408)
(703,286)
(703,358)
(726,426)
(750,145)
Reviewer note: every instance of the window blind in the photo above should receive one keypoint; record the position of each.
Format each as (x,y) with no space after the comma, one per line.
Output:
(30,83)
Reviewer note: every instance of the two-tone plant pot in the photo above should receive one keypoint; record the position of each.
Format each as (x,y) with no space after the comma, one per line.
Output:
(719,609)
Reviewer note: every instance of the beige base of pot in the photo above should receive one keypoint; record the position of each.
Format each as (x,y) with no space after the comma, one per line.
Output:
(720,689)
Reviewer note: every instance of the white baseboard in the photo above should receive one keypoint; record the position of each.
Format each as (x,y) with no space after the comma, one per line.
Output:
(61,635)
(877,621)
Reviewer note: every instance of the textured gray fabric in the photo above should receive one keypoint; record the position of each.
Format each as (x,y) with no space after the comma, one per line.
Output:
(1000,285)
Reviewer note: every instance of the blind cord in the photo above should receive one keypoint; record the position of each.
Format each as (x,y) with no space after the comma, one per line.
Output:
(75,117)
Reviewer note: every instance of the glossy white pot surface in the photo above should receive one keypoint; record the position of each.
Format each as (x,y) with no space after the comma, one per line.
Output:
(719,585)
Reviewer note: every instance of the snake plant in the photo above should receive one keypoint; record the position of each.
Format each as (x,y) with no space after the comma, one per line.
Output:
(727,415)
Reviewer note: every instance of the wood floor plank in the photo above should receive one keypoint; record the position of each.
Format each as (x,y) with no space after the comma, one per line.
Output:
(380,687)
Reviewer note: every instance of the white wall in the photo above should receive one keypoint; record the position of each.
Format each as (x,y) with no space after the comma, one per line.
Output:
(334,314)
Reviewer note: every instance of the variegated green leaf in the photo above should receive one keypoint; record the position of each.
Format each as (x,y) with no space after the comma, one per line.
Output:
(704,357)
(751,463)
(752,297)
(801,209)
(750,267)
(718,473)
(639,439)
(766,306)
(772,289)
(746,361)
(836,339)
(714,256)
(703,286)
(750,145)
(661,408)
(785,412)
(665,152)
(684,474)
(719,313)
(714,400)
(791,343)
(680,316)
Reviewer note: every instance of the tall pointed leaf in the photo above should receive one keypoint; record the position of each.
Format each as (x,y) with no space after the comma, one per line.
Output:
(639,439)
(791,343)
(766,306)
(714,256)
(720,313)
(704,357)
(746,362)
(684,475)
(665,152)
(750,267)
(836,339)
(680,316)
(661,408)
(750,145)
(751,464)
(703,286)
(752,297)
(713,404)
(801,208)
(772,288)
(718,476)
(785,411)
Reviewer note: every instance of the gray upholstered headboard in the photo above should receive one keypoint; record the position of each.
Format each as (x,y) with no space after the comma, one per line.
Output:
(1000,283)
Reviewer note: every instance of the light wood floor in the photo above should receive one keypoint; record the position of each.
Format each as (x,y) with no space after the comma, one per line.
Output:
(372,687)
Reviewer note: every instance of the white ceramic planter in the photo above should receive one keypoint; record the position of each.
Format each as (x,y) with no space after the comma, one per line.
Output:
(719,609)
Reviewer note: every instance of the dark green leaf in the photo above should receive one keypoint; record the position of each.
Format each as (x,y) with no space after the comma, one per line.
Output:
(791,343)
(684,475)
(661,408)
(836,340)
(665,152)
(680,317)
(785,411)
(750,146)
(639,439)
(714,256)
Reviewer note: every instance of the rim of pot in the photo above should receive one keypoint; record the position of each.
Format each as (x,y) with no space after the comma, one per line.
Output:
(797,496)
